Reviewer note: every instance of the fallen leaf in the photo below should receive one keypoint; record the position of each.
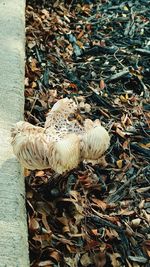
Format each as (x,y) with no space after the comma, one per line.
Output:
(119,163)
(102,84)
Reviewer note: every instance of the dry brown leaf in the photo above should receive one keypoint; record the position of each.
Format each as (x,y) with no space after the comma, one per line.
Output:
(55,255)
(114,259)
(33,224)
(45,223)
(136,222)
(143,189)
(146,247)
(95,231)
(146,146)
(126,212)
(125,144)
(102,84)
(119,163)
(111,234)
(100,259)
(31,44)
(85,259)
(80,34)
(47,263)
(101,204)
(123,99)
(71,261)
(33,65)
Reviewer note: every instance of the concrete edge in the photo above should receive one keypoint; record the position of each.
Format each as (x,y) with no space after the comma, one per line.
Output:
(13,221)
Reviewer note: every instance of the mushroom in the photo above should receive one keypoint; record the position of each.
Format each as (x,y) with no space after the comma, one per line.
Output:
(63,142)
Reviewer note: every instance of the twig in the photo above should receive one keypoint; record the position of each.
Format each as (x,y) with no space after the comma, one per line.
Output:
(118,59)
(36,97)
(117,76)
(118,195)
(141,51)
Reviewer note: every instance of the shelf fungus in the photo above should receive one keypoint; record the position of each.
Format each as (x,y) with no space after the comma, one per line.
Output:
(63,142)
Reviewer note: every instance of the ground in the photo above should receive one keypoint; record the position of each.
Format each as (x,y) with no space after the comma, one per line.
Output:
(98,53)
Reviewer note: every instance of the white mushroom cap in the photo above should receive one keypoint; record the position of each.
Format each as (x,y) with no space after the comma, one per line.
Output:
(62,143)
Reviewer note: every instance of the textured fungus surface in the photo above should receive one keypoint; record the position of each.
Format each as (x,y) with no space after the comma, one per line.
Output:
(62,144)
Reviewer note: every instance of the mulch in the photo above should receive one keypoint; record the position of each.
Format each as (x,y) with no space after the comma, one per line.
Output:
(98,53)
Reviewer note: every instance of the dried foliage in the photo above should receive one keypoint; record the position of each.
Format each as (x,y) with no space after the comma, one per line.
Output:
(97,53)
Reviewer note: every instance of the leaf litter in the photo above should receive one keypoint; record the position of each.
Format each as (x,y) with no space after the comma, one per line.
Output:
(96,52)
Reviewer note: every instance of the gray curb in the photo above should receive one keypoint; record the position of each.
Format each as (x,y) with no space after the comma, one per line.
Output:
(13,227)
